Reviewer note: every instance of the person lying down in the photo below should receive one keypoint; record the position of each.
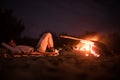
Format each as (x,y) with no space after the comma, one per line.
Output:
(45,46)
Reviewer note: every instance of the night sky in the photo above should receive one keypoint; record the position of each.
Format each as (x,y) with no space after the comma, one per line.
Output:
(66,16)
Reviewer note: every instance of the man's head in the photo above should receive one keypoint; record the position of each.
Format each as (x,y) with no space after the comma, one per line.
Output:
(12,43)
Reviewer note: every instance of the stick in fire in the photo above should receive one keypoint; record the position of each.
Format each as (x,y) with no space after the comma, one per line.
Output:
(69,37)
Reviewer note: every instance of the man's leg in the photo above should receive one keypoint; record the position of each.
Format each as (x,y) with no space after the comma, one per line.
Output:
(45,41)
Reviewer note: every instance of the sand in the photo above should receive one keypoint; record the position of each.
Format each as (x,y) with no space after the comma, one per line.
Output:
(62,67)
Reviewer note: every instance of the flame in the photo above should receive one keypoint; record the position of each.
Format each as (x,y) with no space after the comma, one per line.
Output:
(93,38)
(87,47)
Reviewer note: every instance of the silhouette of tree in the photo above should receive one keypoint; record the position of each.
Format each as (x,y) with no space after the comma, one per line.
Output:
(10,26)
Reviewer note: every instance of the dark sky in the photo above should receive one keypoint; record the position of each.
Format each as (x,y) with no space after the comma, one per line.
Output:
(69,16)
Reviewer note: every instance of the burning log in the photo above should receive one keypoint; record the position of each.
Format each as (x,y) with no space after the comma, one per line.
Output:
(85,46)
(69,37)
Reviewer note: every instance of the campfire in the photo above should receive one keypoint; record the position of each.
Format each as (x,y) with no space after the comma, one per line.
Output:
(86,46)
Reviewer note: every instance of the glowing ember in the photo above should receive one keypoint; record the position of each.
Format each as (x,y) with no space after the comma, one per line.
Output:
(86,54)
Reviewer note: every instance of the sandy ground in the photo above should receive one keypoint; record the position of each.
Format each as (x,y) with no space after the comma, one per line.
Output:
(62,67)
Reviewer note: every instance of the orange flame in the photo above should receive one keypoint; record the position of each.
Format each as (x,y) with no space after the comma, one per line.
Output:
(88,47)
